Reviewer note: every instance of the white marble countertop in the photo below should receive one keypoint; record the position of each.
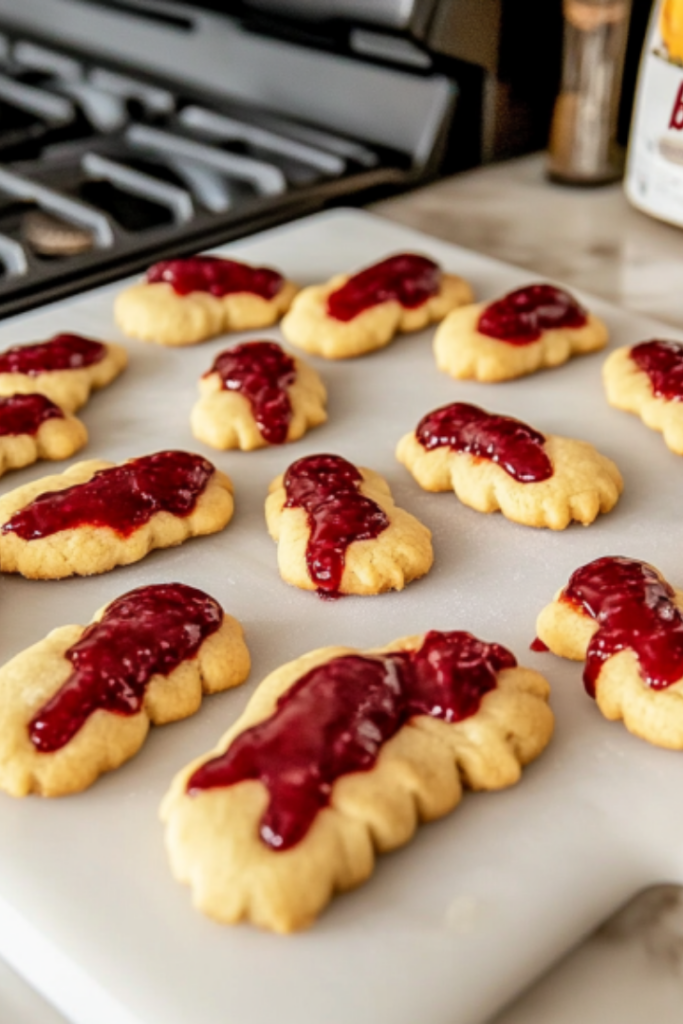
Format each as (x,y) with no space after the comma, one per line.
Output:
(590,238)
(632,968)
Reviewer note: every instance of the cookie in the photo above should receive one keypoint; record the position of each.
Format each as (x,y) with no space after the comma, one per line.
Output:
(256,395)
(65,369)
(350,316)
(339,755)
(529,329)
(622,617)
(81,701)
(98,515)
(497,463)
(32,427)
(647,379)
(338,530)
(184,301)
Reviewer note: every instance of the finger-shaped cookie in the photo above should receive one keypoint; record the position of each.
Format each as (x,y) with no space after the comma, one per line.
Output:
(65,369)
(256,395)
(350,316)
(527,330)
(98,515)
(339,755)
(339,532)
(81,701)
(499,463)
(622,617)
(647,379)
(184,301)
(32,427)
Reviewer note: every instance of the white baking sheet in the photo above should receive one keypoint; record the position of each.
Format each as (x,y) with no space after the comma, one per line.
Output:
(477,904)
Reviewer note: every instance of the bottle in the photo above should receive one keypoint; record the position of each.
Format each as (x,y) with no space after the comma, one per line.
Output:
(583,138)
(654,171)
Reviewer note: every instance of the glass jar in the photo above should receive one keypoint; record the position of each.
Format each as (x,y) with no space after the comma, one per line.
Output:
(583,138)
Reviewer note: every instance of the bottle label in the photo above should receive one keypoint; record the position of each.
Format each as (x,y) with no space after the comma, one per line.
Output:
(654,173)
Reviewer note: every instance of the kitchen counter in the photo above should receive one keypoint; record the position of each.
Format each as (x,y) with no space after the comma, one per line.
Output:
(632,968)
(589,238)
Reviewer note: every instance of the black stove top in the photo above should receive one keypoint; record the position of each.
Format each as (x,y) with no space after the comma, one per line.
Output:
(103,171)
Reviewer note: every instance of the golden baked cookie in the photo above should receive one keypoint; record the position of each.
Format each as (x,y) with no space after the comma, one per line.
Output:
(350,316)
(81,701)
(647,379)
(98,515)
(338,530)
(184,301)
(529,329)
(622,617)
(497,463)
(338,756)
(32,427)
(65,369)
(257,395)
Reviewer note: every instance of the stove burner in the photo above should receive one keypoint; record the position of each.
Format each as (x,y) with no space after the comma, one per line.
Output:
(50,236)
(103,174)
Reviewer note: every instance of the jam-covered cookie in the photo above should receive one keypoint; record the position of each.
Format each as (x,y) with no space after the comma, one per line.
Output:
(32,427)
(257,395)
(647,379)
(352,315)
(339,531)
(338,756)
(499,463)
(98,515)
(623,619)
(184,301)
(527,330)
(81,701)
(65,369)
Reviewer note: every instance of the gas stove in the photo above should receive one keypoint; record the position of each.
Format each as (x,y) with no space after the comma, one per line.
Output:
(134,131)
(103,171)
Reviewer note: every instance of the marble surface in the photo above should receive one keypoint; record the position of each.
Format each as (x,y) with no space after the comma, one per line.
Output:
(631,969)
(590,238)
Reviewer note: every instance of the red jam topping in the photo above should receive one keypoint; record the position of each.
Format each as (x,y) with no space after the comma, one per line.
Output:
(521,317)
(216,276)
(63,352)
(407,279)
(511,444)
(327,487)
(122,498)
(262,372)
(662,361)
(24,414)
(635,610)
(538,646)
(337,717)
(149,631)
